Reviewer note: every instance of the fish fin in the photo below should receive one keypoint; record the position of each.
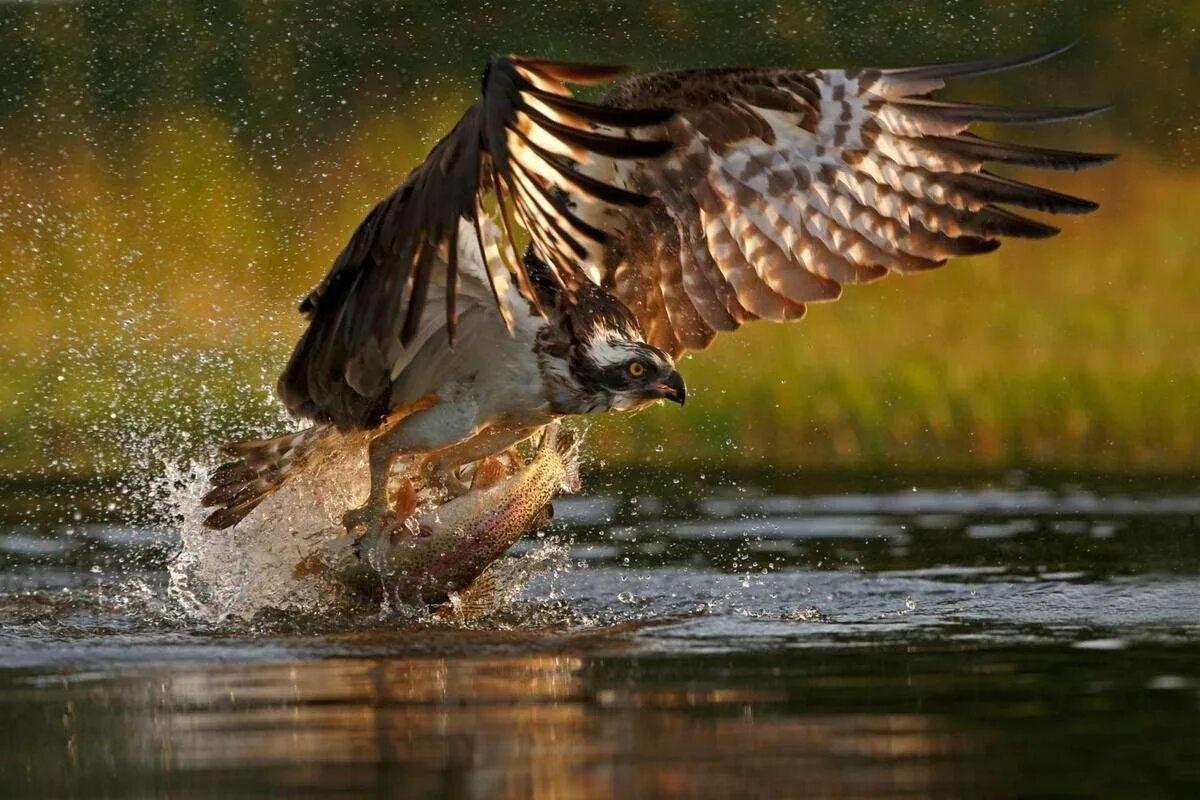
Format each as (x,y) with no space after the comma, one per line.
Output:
(488,472)
(516,461)
(542,517)
(567,443)
(405,503)
(479,599)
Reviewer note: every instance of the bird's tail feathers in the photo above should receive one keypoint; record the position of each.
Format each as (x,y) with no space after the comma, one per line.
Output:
(260,467)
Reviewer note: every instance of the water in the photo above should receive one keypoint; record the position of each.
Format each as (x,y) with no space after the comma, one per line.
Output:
(981,640)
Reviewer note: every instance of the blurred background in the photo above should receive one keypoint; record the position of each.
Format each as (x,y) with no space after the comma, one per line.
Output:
(175,176)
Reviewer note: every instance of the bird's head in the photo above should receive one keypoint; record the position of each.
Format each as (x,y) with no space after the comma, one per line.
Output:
(602,361)
(623,373)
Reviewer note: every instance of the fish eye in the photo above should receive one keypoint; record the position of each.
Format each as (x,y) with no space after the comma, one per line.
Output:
(637,369)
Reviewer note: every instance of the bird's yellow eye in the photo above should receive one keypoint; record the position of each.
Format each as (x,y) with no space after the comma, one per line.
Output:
(637,369)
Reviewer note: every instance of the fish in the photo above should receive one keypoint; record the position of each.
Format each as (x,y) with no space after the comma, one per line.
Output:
(439,556)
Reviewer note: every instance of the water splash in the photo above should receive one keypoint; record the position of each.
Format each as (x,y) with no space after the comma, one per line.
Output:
(293,555)
(283,557)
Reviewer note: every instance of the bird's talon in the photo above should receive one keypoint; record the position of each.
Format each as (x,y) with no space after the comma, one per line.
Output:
(369,525)
(357,518)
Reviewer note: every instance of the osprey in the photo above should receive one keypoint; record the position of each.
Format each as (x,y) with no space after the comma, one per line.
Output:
(682,204)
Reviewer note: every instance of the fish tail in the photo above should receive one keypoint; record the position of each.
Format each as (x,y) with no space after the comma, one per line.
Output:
(482,597)
(260,467)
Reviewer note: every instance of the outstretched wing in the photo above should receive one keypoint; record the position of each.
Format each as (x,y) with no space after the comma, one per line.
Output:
(518,147)
(784,185)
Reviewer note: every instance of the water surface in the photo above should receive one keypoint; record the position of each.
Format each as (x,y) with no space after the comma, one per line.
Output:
(989,641)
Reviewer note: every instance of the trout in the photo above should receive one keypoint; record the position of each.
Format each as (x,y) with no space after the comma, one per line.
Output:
(444,550)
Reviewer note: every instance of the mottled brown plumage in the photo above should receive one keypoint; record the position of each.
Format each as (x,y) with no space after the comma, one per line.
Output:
(780,187)
(783,185)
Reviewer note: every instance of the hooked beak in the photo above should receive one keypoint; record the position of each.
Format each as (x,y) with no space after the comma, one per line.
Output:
(670,389)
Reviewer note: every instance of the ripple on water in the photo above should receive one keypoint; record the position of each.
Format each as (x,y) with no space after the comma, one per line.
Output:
(791,527)
(723,573)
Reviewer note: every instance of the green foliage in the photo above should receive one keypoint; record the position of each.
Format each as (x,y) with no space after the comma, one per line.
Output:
(176,176)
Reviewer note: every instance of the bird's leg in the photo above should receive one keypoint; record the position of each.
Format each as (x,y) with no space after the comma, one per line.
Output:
(428,429)
(374,518)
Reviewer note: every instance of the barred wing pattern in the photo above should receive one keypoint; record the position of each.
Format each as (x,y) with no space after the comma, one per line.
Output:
(784,185)
(526,147)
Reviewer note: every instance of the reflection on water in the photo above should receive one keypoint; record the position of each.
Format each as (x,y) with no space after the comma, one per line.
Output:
(890,723)
(518,727)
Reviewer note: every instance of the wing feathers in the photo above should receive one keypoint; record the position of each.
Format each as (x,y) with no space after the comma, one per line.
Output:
(598,143)
(513,145)
(570,72)
(602,115)
(932,116)
(786,184)
(494,266)
(974,151)
(772,188)
(929,78)
(605,192)
(985,187)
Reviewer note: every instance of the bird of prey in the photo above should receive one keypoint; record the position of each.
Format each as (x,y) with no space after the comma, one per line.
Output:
(682,204)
